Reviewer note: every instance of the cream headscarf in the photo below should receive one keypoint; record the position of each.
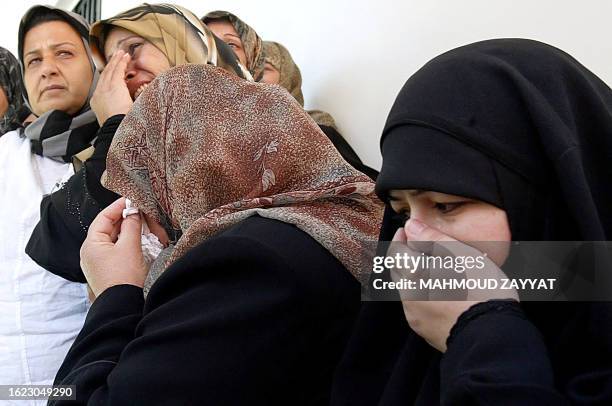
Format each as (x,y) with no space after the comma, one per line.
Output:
(175,31)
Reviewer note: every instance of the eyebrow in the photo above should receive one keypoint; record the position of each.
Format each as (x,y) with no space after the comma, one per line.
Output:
(232,35)
(59,44)
(415,192)
(119,43)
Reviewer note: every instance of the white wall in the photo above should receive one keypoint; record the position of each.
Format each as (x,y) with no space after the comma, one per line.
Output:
(355,55)
(11,12)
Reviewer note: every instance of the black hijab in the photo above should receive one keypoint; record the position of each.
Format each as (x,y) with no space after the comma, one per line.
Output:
(525,127)
(526,120)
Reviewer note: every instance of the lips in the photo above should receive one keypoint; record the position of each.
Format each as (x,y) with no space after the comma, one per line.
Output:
(140,90)
(136,87)
(52,87)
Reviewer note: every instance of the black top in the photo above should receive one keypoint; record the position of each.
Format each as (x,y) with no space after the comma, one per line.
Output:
(525,127)
(258,315)
(347,152)
(495,356)
(66,214)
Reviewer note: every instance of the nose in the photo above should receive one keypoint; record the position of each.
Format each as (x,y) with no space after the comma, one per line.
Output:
(418,214)
(130,71)
(48,68)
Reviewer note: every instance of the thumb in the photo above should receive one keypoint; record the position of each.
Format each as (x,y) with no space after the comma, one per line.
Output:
(131,229)
(400,235)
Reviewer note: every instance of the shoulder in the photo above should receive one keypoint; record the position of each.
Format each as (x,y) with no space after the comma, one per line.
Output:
(279,252)
(286,241)
(12,139)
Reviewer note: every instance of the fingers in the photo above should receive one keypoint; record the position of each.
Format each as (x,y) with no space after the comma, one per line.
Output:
(419,231)
(428,240)
(105,226)
(115,69)
(400,235)
(131,230)
(108,70)
(118,72)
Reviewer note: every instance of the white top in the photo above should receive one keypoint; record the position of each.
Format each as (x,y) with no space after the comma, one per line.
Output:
(40,313)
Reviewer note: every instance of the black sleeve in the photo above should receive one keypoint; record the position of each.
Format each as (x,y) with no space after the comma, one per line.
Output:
(347,152)
(109,327)
(66,214)
(229,325)
(496,356)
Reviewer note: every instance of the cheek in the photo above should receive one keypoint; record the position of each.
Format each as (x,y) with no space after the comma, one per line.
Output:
(154,61)
(79,75)
(487,231)
(30,82)
(476,224)
(80,95)
(241,56)
(3,102)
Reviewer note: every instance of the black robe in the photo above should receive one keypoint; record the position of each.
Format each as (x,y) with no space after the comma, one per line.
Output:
(347,152)
(257,315)
(66,214)
(525,127)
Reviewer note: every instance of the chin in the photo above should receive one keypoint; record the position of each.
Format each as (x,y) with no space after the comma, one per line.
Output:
(54,105)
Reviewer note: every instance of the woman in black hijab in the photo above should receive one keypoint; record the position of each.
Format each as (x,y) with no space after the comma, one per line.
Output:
(518,127)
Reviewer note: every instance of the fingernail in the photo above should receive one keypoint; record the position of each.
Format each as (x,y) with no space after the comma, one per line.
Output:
(414,227)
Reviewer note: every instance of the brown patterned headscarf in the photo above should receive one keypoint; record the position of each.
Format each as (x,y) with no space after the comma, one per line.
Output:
(251,42)
(240,149)
(175,31)
(291,79)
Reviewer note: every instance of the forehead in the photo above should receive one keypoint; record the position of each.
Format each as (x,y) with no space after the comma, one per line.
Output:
(404,194)
(222,27)
(51,32)
(412,194)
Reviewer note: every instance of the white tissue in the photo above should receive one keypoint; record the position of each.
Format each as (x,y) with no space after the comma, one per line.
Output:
(129,209)
(151,247)
(149,243)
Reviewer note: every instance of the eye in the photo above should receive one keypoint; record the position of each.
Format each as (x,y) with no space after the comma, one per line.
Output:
(448,207)
(64,53)
(233,45)
(33,61)
(133,48)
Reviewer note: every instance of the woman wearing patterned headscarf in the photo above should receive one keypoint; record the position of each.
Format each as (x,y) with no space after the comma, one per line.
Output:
(260,290)
(12,108)
(241,37)
(133,48)
(280,69)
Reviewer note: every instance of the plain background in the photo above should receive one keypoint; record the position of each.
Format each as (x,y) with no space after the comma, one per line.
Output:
(356,55)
